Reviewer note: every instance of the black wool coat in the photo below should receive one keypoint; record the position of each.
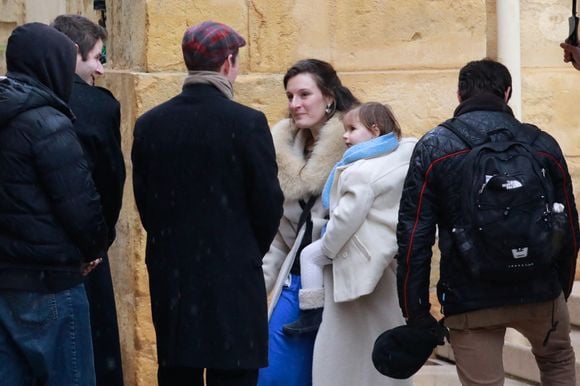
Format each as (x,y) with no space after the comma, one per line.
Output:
(97,127)
(206,187)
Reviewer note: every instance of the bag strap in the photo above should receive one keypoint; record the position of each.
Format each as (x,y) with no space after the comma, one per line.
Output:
(573,26)
(459,129)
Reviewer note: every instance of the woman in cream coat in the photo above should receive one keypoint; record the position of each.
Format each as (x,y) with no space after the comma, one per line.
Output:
(308,144)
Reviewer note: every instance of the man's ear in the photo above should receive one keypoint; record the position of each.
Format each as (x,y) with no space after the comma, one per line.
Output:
(458,97)
(507,94)
(78,50)
(227,65)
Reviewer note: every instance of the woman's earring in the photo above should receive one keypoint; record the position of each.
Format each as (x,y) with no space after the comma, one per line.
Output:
(329,108)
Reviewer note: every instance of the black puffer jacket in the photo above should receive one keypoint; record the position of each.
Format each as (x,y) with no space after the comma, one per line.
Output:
(50,213)
(429,202)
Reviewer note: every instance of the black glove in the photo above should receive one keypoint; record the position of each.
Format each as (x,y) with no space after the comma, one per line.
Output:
(429,323)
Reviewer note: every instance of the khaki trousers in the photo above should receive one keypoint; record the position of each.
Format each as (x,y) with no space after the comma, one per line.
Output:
(477,340)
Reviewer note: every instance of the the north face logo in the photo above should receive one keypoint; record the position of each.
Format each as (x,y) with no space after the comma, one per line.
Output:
(512,184)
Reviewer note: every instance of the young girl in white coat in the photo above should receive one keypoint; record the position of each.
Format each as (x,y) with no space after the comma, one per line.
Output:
(358,248)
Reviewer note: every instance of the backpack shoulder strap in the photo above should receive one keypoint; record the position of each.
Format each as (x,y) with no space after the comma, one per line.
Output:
(528,133)
(460,129)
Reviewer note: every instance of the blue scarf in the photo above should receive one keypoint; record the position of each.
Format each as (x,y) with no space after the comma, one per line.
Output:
(368,149)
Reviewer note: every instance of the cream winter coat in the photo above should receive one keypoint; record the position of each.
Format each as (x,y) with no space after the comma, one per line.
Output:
(360,285)
(361,235)
(300,178)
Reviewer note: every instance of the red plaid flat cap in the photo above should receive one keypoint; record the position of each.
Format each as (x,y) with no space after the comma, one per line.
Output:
(209,44)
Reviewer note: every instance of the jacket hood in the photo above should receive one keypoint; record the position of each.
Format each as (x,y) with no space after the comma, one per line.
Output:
(19,93)
(44,54)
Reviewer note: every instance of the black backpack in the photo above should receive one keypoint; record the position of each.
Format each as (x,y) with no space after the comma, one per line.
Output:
(510,227)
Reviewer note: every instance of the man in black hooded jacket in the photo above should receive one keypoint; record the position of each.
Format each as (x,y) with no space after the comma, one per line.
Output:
(51,224)
(478,310)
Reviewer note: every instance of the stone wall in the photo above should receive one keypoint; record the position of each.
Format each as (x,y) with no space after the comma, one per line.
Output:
(403,52)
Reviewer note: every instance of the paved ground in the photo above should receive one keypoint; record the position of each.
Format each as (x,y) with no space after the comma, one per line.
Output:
(441,373)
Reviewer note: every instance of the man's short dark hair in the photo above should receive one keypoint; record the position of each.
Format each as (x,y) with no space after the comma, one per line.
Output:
(484,76)
(80,30)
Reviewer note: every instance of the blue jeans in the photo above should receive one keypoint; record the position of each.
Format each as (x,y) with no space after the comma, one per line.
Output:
(45,339)
(290,358)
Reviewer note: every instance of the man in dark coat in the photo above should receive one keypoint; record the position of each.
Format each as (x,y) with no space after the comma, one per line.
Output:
(479,308)
(206,187)
(97,126)
(51,224)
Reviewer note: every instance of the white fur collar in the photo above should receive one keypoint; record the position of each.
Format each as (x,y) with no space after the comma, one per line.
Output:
(298,176)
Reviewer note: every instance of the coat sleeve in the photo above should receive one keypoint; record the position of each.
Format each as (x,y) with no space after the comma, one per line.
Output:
(566,261)
(109,171)
(274,258)
(351,210)
(416,236)
(140,172)
(67,180)
(263,191)
(102,145)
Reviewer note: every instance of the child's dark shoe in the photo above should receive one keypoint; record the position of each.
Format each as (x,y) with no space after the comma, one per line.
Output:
(307,323)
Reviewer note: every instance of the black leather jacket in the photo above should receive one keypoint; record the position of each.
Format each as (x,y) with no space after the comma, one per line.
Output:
(430,201)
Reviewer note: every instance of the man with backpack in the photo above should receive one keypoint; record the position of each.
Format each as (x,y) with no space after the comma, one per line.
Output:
(500,195)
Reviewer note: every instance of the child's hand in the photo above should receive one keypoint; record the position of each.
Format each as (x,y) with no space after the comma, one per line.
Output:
(571,54)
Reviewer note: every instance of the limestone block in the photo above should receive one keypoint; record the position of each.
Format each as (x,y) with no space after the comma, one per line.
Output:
(544,24)
(145,343)
(127,25)
(43,11)
(550,100)
(363,36)
(419,99)
(264,92)
(81,7)
(154,89)
(126,255)
(167,20)
(12,11)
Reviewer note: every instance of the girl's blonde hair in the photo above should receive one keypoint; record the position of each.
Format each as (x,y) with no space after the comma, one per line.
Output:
(381,115)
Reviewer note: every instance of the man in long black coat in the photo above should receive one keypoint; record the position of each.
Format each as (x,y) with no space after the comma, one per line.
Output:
(97,126)
(206,187)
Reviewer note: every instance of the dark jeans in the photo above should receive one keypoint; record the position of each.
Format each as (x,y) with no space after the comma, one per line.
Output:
(45,339)
(187,376)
